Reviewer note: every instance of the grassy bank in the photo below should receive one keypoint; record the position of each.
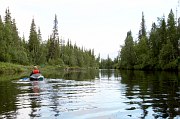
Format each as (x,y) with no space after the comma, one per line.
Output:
(9,68)
(15,71)
(9,71)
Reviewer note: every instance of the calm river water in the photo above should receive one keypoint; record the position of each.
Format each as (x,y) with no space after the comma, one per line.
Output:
(101,94)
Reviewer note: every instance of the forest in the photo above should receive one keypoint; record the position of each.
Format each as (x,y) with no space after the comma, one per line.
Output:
(158,49)
(38,51)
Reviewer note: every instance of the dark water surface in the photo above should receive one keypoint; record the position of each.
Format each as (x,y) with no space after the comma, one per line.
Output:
(102,94)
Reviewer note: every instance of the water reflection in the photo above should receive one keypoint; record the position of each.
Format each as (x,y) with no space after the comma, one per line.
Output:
(93,95)
(73,75)
(153,92)
(8,93)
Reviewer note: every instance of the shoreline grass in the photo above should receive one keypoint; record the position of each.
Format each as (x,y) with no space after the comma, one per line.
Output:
(10,68)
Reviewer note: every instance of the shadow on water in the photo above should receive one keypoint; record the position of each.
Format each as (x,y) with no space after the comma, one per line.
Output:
(157,90)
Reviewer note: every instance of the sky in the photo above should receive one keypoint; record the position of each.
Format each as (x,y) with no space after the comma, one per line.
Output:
(101,25)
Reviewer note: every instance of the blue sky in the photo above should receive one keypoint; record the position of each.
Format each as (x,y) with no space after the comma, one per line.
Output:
(95,24)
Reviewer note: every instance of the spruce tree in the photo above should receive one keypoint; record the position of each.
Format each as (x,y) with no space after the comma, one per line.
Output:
(178,37)
(142,31)
(172,33)
(33,44)
(169,52)
(54,44)
(2,41)
(142,47)
(162,33)
(42,49)
(8,39)
(55,34)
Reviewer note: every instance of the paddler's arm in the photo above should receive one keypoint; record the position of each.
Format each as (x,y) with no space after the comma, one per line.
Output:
(31,73)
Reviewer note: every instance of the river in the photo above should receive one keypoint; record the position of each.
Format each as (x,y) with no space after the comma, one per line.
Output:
(97,94)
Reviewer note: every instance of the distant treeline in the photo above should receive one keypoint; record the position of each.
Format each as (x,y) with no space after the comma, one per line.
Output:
(108,63)
(36,51)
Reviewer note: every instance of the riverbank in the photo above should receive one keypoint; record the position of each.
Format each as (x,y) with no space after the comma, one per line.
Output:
(10,71)
(10,68)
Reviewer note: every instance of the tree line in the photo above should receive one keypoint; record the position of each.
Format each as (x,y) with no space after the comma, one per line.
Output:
(36,51)
(108,63)
(159,49)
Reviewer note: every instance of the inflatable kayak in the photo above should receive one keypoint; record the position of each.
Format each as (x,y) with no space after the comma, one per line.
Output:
(36,77)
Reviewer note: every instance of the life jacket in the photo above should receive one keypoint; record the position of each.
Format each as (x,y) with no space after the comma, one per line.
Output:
(36,71)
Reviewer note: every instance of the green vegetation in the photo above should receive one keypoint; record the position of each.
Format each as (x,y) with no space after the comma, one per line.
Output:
(9,68)
(159,50)
(38,51)
(108,63)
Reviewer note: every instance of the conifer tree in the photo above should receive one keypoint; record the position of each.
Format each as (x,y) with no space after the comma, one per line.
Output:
(2,41)
(15,35)
(42,49)
(18,52)
(162,33)
(33,44)
(39,35)
(142,47)
(178,37)
(8,40)
(153,40)
(128,52)
(54,44)
(172,33)
(55,39)
(142,31)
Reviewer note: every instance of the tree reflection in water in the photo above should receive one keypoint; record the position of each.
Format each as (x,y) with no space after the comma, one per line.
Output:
(127,94)
(157,90)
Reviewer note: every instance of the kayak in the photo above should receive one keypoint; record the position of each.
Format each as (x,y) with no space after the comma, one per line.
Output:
(36,77)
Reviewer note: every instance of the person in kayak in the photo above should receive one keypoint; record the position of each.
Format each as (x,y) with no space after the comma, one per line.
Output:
(35,71)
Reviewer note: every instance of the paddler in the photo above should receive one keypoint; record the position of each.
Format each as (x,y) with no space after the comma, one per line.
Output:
(35,71)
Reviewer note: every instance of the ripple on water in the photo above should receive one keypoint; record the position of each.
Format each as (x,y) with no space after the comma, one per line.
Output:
(105,97)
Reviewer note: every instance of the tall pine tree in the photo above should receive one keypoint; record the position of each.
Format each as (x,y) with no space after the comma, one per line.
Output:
(172,33)
(33,44)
